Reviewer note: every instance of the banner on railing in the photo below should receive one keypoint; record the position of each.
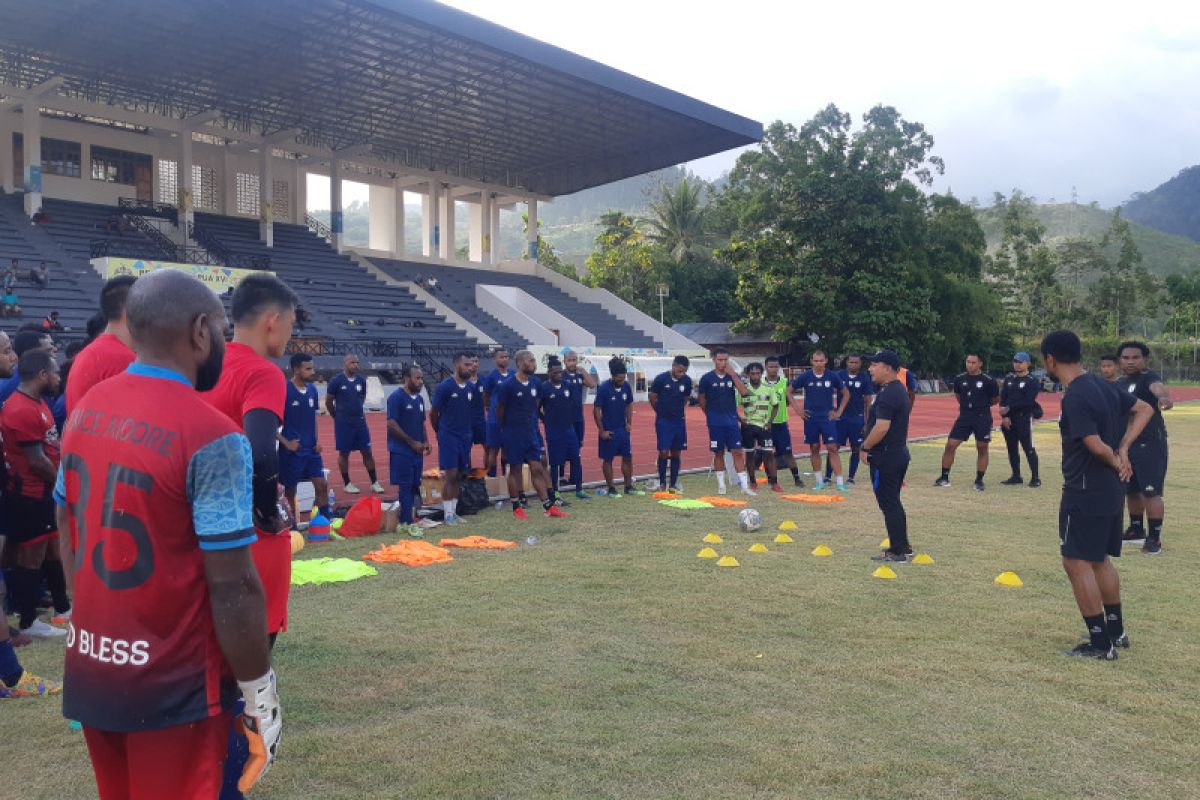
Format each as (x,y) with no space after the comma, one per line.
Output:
(219,279)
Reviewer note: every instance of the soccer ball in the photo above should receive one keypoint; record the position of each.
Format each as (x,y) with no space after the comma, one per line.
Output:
(749,520)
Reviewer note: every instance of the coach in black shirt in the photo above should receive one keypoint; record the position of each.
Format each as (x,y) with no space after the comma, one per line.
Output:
(1018,407)
(886,451)
(1098,426)
(1148,456)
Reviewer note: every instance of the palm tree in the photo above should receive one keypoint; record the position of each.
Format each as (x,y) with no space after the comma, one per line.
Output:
(677,221)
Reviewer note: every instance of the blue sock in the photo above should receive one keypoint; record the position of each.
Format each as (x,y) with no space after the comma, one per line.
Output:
(675,470)
(237,755)
(577,472)
(662,471)
(406,504)
(10,667)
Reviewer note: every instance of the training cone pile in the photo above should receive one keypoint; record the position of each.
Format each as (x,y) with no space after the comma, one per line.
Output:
(758,547)
(783,538)
(821,551)
(713,538)
(1008,579)
(788,525)
(727,561)
(887,573)
(922,558)
(707,552)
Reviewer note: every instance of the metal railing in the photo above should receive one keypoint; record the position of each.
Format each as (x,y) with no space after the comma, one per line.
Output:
(149,208)
(182,254)
(153,234)
(222,254)
(319,228)
(434,357)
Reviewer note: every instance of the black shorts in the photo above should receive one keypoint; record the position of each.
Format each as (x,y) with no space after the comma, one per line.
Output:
(1149,462)
(1088,537)
(977,425)
(26,520)
(755,438)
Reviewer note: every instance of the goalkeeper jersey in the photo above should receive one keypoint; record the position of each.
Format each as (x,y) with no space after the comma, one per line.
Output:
(760,404)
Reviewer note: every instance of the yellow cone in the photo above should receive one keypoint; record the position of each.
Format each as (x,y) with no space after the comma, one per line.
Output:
(783,538)
(788,525)
(728,561)
(822,550)
(887,573)
(758,547)
(922,558)
(712,538)
(1008,579)
(707,552)
(885,544)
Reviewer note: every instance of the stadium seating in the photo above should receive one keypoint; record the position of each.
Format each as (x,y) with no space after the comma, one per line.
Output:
(456,288)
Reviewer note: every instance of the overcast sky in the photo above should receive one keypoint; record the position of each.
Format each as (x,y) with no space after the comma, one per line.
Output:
(1041,96)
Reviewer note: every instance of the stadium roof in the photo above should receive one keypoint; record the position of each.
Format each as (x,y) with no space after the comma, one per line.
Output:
(409,82)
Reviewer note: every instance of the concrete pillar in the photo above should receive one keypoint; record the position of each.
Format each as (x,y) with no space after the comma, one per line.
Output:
(266,197)
(531,230)
(186,191)
(446,251)
(381,225)
(228,202)
(398,232)
(431,230)
(486,204)
(494,233)
(300,195)
(7,181)
(31,126)
(475,234)
(335,203)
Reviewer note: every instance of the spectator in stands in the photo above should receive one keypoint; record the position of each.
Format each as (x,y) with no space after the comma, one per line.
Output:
(10,277)
(50,322)
(431,283)
(114,225)
(40,274)
(11,304)
(419,280)
(40,217)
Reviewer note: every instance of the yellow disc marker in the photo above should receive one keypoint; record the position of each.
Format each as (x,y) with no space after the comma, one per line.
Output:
(1008,579)
(712,538)
(788,525)
(707,552)
(758,547)
(821,551)
(922,558)
(887,573)
(885,544)
(783,538)
(728,561)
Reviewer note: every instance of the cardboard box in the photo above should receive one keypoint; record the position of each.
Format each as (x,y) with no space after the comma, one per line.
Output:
(498,487)
(391,517)
(431,489)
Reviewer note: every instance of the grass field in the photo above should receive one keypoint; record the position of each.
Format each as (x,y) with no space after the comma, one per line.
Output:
(607,661)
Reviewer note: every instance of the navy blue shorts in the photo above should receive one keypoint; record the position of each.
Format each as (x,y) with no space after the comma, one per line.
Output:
(405,470)
(968,425)
(817,429)
(671,433)
(850,431)
(562,445)
(479,432)
(351,434)
(616,446)
(755,438)
(454,451)
(781,435)
(299,466)
(521,447)
(491,437)
(724,435)
(578,425)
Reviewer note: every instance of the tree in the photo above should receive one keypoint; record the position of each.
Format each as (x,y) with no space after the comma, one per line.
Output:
(1023,269)
(547,256)
(677,221)
(626,264)
(1125,290)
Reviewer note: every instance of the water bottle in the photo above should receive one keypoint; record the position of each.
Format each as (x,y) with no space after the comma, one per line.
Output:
(601,492)
(332,498)
(532,540)
(499,505)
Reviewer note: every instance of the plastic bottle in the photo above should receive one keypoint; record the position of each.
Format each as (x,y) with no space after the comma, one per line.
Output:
(499,505)
(532,540)
(332,498)
(601,492)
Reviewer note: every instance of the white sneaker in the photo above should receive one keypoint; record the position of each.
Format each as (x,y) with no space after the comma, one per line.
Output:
(452,519)
(376,488)
(352,489)
(746,490)
(721,489)
(40,630)
(426,522)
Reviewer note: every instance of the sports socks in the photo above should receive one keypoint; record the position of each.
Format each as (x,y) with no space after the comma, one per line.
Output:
(662,472)
(1097,632)
(516,502)
(945,474)
(345,477)
(1137,523)
(743,480)
(1113,621)
(796,475)
(450,507)
(721,480)
(10,668)
(56,582)
(1155,528)
(853,463)
(26,585)
(675,460)
(978,476)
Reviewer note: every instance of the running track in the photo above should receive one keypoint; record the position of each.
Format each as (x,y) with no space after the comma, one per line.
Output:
(932,416)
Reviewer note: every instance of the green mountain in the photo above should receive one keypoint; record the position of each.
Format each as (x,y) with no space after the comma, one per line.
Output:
(1162,253)
(1173,207)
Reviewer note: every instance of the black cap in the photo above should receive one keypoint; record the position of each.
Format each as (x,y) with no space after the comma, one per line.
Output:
(888,357)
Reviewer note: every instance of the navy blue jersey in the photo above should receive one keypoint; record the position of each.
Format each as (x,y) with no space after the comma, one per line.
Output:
(859,386)
(821,392)
(409,412)
(349,395)
(490,384)
(720,394)
(478,415)
(574,380)
(520,401)
(612,400)
(300,415)
(672,395)
(454,403)
(558,405)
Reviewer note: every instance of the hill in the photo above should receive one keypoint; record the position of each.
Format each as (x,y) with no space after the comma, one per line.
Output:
(1162,253)
(1173,207)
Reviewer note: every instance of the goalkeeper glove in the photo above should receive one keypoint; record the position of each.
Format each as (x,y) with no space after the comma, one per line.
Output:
(262,725)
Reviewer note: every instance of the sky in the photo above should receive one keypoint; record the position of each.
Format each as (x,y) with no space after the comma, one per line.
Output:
(1050,97)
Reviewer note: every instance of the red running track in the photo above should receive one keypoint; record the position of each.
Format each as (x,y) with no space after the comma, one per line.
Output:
(932,416)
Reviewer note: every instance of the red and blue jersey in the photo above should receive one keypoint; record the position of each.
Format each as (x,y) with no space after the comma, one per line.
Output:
(455,403)
(152,477)
(25,421)
(300,415)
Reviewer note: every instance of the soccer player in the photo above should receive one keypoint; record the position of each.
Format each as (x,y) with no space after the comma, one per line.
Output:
(31,453)
(759,405)
(977,393)
(852,424)
(719,393)
(110,352)
(886,450)
(613,413)
(28,337)
(1148,455)
(1098,426)
(299,451)
(517,405)
(491,382)
(825,399)
(452,418)
(781,434)
(669,394)
(1110,367)
(1018,402)
(408,443)
(558,414)
(171,620)
(478,408)
(344,398)
(579,380)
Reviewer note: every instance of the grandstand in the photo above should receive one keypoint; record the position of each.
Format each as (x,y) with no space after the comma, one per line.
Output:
(116,147)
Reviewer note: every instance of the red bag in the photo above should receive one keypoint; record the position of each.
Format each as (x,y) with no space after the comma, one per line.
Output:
(364,518)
